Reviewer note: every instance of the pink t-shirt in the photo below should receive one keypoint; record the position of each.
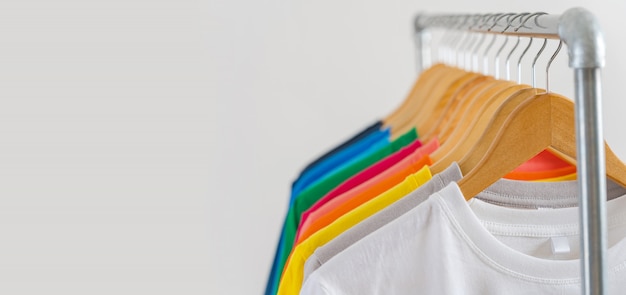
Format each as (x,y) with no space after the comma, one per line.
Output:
(376,171)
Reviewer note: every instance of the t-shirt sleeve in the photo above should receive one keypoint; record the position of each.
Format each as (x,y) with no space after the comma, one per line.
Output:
(311,265)
(315,286)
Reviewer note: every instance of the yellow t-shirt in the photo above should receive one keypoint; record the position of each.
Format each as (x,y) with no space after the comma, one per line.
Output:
(291,281)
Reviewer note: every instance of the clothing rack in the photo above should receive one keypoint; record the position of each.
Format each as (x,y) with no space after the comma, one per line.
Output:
(580,31)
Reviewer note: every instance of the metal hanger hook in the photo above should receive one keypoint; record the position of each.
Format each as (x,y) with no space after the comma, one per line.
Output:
(530,42)
(550,63)
(516,16)
(481,41)
(467,54)
(545,42)
(498,18)
(536,15)
(506,40)
(508,57)
(497,60)
(474,54)
(490,45)
(519,61)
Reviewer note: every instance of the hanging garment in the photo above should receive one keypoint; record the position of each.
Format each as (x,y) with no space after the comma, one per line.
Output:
(369,178)
(446,245)
(505,192)
(351,147)
(309,196)
(371,172)
(383,209)
(545,165)
(374,128)
(356,197)
(292,275)
(367,144)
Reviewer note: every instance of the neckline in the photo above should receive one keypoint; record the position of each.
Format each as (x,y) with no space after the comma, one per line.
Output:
(512,262)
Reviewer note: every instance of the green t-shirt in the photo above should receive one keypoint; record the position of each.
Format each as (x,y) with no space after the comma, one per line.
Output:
(313,193)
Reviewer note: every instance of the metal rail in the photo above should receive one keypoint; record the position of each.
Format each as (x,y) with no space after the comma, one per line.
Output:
(581,32)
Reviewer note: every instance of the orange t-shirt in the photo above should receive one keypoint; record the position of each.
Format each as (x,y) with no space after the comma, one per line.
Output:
(542,166)
(426,149)
(344,203)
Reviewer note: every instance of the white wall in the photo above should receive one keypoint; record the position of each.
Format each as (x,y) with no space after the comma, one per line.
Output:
(147,147)
(293,78)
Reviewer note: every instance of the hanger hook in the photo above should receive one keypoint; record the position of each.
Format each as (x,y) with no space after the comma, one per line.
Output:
(550,63)
(445,39)
(519,61)
(484,18)
(506,40)
(490,45)
(545,42)
(508,57)
(536,15)
(481,41)
(461,52)
(451,23)
(530,42)
(510,20)
(467,54)
(490,16)
(454,50)
(498,18)
(486,56)
(497,61)
(459,35)
(442,44)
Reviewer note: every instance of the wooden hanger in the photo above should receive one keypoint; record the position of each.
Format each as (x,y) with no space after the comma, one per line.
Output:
(429,95)
(402,114)
(543,121)
(475,124)
(473,105)
(457,102)
(438,97)
(459,109)
(498,118)
(450,99)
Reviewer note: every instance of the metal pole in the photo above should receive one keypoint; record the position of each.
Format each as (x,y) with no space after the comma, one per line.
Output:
(419,49)
(582,33)
(580,30)
(422,48)
(592,180)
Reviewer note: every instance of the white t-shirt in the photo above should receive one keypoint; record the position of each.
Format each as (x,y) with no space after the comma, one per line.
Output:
(449,246)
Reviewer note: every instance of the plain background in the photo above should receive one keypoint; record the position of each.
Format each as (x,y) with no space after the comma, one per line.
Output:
(147,147)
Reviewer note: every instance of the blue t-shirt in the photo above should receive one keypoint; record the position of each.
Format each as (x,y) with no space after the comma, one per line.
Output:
(370,142)
(372,136)
(319,188)
(365,132)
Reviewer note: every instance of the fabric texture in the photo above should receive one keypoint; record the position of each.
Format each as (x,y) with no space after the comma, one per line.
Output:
(313,193)
(351,147)
(365,192)
(365,179)
(509,193)
(292,276)
(449,246)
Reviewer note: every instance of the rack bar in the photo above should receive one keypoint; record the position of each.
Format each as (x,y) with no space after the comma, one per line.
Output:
(581,32)
(590,152)
(542,26)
